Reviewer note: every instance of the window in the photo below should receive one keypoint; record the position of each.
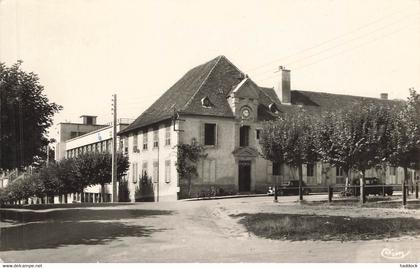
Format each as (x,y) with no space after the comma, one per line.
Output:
(168,135)
(145,140)
(338,172)
(144,169)
(310,170)
(135,172)
(125,144)
(392,171)
(208,170)
(209,134)
(258,133)
(135,143)
(244,136)
(155,137)
(205,102)
(276,169)
(168,171)
(155,172)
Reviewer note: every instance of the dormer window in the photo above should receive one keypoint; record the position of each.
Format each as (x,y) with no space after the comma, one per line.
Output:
(205,102)
(273,108)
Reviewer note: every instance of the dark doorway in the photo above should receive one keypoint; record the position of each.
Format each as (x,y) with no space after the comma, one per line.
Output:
(244,176)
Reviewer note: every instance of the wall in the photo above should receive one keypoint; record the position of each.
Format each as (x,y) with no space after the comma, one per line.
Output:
(167,191)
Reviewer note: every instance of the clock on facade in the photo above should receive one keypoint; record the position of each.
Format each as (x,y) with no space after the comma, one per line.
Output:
(245,113)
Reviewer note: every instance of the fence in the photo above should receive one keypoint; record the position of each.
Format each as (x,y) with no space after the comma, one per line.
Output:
(355,192)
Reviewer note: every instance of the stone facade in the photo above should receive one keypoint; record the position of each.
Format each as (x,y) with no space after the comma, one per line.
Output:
(219,107)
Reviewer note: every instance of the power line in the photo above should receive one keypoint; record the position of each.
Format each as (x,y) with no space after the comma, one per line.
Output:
(343,43)
(351,40)
(341,52)
(327,41)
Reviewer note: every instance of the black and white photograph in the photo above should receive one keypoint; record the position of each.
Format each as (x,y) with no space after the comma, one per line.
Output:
(223,132)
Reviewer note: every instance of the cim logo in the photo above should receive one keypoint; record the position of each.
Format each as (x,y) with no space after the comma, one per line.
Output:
(392,254)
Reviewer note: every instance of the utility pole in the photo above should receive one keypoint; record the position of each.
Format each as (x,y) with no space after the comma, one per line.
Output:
(158,166)
(114,149)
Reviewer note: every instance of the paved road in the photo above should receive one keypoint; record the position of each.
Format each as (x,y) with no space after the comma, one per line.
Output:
(195,231)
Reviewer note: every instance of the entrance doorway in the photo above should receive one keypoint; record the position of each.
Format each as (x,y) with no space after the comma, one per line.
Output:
(244,176)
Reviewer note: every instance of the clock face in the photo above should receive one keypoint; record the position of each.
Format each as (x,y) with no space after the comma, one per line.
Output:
(245,113)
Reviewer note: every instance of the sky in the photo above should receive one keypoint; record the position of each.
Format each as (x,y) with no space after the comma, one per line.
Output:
(86,50)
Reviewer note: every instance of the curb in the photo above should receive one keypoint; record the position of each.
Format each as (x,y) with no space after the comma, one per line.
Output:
(223,197)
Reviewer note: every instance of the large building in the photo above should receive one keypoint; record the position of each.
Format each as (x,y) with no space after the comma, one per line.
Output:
(217,105)
(77,138)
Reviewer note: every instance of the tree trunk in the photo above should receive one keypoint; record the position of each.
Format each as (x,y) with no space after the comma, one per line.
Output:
(82,196)
(300,182)
(404,190)
(347,180)
(362,188)
(102,192)
(189,186)
(275,189)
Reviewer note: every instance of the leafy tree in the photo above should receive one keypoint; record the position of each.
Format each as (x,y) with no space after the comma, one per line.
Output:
(355,138)
(186,164)
(25,116)
(96,168)
(290,140)
(405,136)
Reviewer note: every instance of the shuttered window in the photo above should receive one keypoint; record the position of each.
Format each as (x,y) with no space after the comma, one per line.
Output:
(155,172)
(145,139)
(144,171)
(135,172)
(168,171)
(208,171)
(168,135)
(135,143)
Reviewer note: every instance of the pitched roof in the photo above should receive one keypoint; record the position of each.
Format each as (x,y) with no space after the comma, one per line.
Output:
(213,79)
(321,101)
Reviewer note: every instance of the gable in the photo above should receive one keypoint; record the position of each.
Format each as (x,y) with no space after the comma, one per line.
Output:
(246,89)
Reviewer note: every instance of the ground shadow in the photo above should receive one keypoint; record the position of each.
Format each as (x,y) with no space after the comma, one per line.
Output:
(21,216)
(55,234)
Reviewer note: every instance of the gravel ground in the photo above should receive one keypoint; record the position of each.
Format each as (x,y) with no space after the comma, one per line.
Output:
(193,231)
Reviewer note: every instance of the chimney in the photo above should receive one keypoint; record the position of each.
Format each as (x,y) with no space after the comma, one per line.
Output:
(283,86)
(384,96)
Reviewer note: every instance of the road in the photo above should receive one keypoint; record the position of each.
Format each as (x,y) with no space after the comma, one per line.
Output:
(191,231)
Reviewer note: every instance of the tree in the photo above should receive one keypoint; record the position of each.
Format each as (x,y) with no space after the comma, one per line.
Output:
(355,138)
(186,164)
(25,116)
(290,140)
(405,136)
(95,168)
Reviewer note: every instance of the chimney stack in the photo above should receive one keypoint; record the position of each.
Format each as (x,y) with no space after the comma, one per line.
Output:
(384,96)
(283,86)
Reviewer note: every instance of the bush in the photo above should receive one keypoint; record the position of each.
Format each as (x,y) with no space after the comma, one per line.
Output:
(123,192)
(145,191)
